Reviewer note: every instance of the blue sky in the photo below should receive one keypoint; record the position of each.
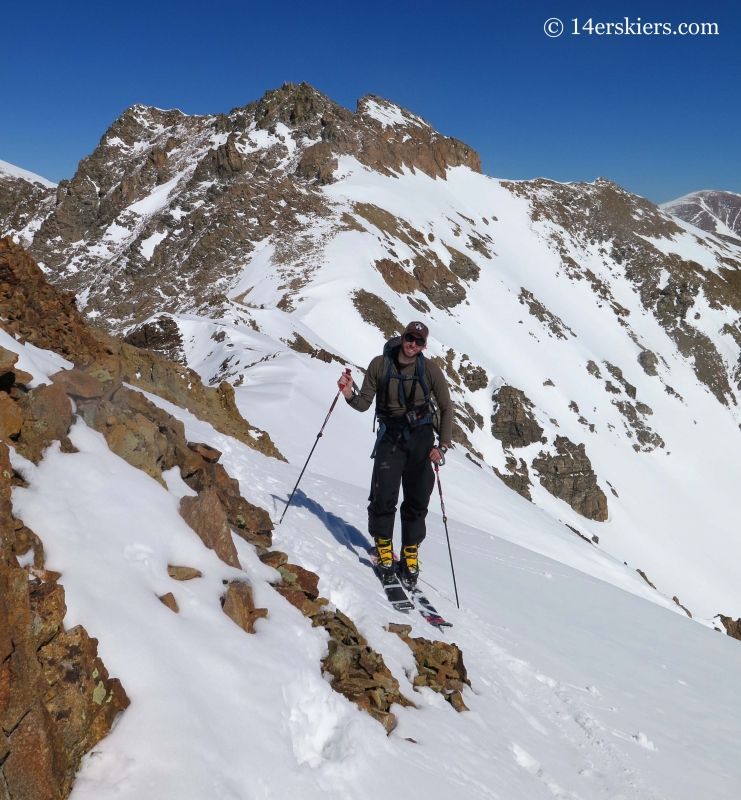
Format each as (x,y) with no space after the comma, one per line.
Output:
(659,114)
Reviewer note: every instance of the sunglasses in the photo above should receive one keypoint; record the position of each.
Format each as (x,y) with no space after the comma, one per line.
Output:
(409,337)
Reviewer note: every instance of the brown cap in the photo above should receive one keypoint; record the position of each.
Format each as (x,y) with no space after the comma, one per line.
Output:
(418,329)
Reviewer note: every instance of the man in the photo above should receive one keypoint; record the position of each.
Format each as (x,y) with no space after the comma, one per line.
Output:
(403,383)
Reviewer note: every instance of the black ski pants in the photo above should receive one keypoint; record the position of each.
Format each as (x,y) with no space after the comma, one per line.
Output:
(406,464)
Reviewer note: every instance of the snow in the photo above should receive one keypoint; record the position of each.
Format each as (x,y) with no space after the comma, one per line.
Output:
(579,688)
(39,363)
(12,171)
(390,115)
(148,245)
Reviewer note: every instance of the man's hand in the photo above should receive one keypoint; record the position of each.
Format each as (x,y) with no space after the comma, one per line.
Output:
(346,383)
(438,456)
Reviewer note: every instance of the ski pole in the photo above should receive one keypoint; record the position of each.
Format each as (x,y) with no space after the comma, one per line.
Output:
(447,536)
(318,437)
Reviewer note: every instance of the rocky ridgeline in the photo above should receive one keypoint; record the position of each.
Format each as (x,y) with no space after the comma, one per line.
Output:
(211,187)
(57,700)
(581,217)
(43,315)
(716,212)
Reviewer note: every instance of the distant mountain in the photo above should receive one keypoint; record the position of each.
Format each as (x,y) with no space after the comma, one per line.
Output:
(712,211)
(592,342)
(26,200)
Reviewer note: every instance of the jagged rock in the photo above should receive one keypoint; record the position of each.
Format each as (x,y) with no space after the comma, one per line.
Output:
(274,558)
(555,325)
(376,311)
(568,475)
(439,666)
(11,419)
(206,516)
(462,266)
(686,610)
(239,606)
(162,336)
(593,369)
(733,627)
(183,573)
(647,359)
(57,700)
(517,477)
(9,373)
(205,451)
(645,578)
(48,318)
(474,377)
(47,417)
(318,163)
(78,383)
(513,422)
(295,577)
(169,601)
(617,373)
(359,673)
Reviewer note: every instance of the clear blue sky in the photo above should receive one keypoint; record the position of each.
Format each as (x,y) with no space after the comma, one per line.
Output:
(659,114)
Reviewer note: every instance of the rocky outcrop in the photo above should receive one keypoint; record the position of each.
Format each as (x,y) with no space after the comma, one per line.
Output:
(517,477)
(513,422)
(162,336)
(377,312)
(41,314)
(733,627)
(206,516)
(57,700)
(568,475)
(439,666)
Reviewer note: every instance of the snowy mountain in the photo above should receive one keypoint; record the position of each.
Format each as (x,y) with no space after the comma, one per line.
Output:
(712,211)
(592,343)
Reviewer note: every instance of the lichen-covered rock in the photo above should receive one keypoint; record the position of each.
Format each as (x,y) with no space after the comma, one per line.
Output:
(513,422)
(439,666)
(47,417)
(57,700)
(568,475)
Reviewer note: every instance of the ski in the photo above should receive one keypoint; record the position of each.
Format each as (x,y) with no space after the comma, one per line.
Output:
(395,593)
(426,609)
(405,598)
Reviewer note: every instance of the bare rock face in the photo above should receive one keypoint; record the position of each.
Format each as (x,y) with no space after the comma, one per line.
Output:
(205,514)
(513,422)
(568,475)
(647,359)
(47,416)
(733,627)
(161,336)
(57,700)
(517,477)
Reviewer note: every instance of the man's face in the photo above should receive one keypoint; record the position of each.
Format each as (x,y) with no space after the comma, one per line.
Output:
(412,345)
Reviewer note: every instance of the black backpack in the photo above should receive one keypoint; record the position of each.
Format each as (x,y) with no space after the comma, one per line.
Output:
(414,417)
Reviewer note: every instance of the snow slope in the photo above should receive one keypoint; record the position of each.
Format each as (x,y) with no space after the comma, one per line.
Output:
(10,170)
(672,511)
(580,689)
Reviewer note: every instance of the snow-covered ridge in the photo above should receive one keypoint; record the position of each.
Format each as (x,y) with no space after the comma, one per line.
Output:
(11,171)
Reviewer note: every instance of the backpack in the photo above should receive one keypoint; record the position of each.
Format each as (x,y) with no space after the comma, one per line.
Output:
(424,415)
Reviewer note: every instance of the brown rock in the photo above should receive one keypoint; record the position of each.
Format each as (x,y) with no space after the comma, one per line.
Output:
(183,573)
(517,477)
(35,767)
(205,451)
(513,422)
(9,373)
(439,666)
(11,419)
(295,577)
(205,514)
(568,475)
(47,417)
(47,610)
(239,606)
(78,383)
(170,601)
(274,558)
(733,627)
